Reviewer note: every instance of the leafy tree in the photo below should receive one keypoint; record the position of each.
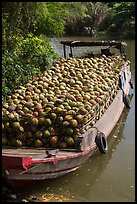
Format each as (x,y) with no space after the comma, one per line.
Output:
(97,13)
(122,20)
(50,18)
(74,14)
(17,19)
(21,18)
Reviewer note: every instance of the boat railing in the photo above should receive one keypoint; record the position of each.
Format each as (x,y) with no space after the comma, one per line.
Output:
(98,110)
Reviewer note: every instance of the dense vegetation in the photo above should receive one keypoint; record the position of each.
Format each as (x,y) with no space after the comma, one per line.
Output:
(122,20)
(28,26)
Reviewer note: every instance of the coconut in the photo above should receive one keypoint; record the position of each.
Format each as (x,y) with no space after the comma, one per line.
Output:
(53,140)
(69,141)
(37,143)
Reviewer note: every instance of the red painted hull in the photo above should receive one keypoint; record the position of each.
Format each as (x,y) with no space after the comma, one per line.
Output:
(40,169)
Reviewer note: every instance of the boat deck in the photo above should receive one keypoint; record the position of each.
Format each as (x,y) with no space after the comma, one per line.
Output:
(37,152)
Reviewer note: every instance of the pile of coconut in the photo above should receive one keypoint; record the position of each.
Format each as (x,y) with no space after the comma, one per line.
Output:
(50,110)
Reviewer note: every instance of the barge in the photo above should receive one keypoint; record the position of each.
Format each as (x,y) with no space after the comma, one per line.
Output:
(26,165)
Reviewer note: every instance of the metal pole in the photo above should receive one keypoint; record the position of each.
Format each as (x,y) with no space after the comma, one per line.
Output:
(71,54)
(64,48)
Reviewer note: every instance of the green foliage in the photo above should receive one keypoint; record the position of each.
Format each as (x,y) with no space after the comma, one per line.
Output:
(36,17)
(50,18)
(20,17)
(31,56)
(122,20)
(74,14)
(36,50)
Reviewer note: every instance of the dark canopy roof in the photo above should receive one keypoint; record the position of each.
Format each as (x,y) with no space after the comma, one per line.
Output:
(118,45)
(93,43)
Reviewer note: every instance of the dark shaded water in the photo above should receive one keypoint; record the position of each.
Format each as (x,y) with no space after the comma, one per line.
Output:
(105,178)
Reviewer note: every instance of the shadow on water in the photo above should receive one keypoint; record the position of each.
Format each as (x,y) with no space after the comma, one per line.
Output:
(77,185)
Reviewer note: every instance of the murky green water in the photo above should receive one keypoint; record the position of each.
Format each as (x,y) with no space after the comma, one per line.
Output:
(104,178)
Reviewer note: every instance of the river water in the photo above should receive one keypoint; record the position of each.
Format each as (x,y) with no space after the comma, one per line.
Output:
(104,177)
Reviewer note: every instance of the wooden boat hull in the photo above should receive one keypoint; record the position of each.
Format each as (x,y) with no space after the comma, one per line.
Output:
(20,165)
(41,169)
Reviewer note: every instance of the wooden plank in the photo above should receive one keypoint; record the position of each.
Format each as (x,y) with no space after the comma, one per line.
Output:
(86,140)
